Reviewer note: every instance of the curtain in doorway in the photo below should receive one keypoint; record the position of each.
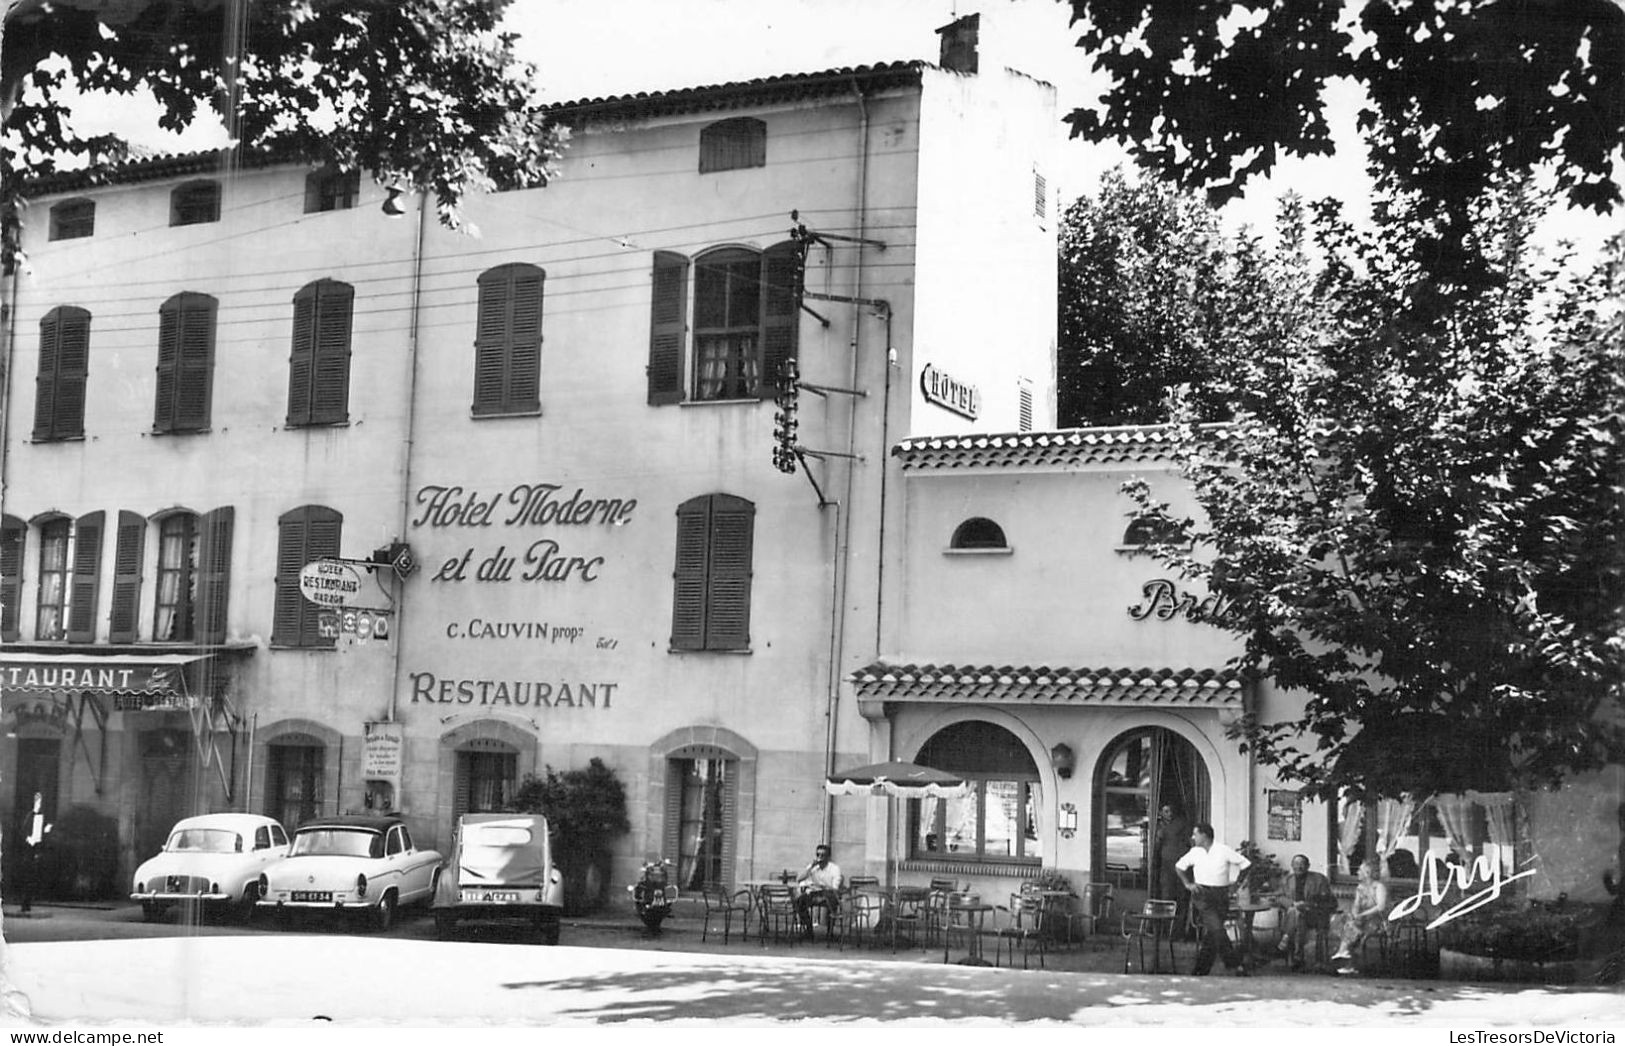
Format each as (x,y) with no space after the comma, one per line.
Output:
(1393,817)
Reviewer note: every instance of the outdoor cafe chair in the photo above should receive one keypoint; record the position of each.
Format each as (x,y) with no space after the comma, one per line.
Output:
(776,912)
(1093,911)
(906,913)
(719,903)
(1022,925)
(863,884)
(858,915)
(1154,922)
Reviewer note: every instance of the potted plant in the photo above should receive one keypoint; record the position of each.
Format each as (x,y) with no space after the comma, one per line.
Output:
(1263,875)
(585,809)
(1511,941)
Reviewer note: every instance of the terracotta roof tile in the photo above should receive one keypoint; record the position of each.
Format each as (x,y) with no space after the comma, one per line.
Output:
(766,90)
(1208,687)
(1059,448)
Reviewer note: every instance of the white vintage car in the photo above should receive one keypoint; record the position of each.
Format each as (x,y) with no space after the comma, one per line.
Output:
(213,858)
(351,863)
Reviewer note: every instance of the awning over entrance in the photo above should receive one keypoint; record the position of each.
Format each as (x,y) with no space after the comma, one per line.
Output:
(137,683)
(986,684)
(65,687)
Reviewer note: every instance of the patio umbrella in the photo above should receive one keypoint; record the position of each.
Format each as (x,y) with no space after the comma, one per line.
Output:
(897,780)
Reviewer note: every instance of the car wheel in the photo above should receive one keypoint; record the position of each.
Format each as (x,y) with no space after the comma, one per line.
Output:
(246,908)
(384,914)
(550,932)
(284,919)
(445,924)
(151,911)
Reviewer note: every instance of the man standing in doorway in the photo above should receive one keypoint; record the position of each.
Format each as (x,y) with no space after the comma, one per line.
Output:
(33,834)
(1173,838)
(1209,870)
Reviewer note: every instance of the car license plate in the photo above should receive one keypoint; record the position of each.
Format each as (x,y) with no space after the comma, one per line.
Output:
(313,895)
(490,896)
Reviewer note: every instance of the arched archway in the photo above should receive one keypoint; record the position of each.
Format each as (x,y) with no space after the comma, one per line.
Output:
(1139,772)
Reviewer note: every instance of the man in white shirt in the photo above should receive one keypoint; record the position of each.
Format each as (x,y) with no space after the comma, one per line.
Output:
(1209,870)
(820,888)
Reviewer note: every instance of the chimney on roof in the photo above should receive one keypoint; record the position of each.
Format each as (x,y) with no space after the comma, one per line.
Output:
(959,40)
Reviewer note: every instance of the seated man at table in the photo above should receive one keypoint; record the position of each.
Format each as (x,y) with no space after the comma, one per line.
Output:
(819,886)
(1306,904)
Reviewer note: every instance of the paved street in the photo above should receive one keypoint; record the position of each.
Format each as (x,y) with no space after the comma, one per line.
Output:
(606,971)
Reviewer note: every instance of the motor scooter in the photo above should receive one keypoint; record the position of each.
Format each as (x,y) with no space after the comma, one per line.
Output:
(653,894)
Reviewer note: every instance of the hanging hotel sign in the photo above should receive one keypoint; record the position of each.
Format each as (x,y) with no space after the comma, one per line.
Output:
(329,583)
(950,393)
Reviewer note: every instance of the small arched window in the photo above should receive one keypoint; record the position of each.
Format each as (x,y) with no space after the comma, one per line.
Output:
(728,145)
(978,532)
(1142,532)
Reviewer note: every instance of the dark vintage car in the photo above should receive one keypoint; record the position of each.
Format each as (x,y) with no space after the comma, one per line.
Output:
(366,864)
(501,868)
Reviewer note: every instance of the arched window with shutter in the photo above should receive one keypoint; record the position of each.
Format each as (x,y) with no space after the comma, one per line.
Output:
(64,367)
(711,581)
(508,341)
(185,363)
(319,366)
(304,534)
(747,322)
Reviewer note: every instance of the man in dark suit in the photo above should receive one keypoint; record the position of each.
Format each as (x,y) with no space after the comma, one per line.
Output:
(1172,839)
(1306,904)
(34,830)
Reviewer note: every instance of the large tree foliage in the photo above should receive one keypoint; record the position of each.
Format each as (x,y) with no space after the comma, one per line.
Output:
(1155,298)
(1460,94)
(423,94)
(1416,518)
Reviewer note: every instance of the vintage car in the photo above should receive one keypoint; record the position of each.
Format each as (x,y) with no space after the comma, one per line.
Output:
(211,859)
(501,868)
(351,863)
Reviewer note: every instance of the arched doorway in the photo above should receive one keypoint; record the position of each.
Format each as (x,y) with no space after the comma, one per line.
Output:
(1140,772)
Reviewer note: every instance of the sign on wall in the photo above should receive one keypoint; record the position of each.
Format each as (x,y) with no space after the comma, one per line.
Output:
(329,583)
(1285,815)
(381,751)
(949,393)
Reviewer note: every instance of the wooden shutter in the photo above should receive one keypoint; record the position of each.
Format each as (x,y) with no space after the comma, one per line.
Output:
(781,312)
(668,328)
(730,822)
(87,567)
(671,839)
(214,574)
(64,363)
(728,596)
(13,536)
(128,552)
(688,577)
(330,395)
(508,340)
(460,784)
(306,533)
(302,359)
(185,363)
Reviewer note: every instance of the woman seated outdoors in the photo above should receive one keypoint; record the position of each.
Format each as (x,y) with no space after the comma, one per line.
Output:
(1366,915)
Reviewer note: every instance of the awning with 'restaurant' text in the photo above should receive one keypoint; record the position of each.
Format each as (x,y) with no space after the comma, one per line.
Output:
(148,681)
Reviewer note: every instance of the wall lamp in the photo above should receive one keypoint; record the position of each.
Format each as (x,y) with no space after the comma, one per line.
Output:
(1062,759)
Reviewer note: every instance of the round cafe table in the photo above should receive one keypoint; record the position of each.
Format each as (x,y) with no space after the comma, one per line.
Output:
(1243,913)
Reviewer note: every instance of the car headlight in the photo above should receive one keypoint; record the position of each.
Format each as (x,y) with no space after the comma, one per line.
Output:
(361,886)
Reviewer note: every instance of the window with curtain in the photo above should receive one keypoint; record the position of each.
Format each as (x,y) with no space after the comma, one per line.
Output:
(702,828)
(172,618)
(999,822)
(51,608)
(487,772)
(64,369)
(746,316)
(1404,833)
(294,779)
